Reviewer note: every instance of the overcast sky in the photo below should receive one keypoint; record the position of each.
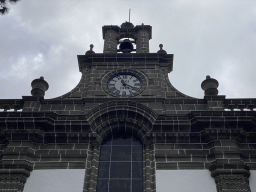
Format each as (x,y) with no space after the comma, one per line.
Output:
(207,37)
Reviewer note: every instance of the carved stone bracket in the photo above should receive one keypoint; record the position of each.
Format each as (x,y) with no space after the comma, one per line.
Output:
(232,183)
(231,180)
(13,182)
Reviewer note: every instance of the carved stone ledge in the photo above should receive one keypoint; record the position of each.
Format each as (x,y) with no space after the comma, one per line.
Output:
(232,180)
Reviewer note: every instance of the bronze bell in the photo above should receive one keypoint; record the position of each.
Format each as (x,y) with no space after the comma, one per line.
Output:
(126,46)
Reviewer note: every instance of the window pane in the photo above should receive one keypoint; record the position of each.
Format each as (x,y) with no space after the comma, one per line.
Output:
(137,153)
(137,185)
(121,153)
(137,170)
(104,170)
(105,153)
(119,185)
(102,185)
(120,170)
(120,166)
(121,141)
(136,142)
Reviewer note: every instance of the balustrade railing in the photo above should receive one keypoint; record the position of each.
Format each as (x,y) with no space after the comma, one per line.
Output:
(240,104)
(11,104)
(229,104)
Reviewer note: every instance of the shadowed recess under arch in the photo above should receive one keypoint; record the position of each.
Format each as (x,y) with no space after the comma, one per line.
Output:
(121,116)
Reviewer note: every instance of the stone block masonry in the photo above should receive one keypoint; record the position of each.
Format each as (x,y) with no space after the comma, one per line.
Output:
(175,131)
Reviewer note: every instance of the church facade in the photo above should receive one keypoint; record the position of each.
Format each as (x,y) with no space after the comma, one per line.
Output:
(125,120)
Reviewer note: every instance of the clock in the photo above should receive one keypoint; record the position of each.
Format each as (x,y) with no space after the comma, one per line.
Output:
(124,83)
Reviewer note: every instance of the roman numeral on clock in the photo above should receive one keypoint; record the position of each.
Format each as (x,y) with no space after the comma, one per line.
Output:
(131,92)
(135,88)
(112,89)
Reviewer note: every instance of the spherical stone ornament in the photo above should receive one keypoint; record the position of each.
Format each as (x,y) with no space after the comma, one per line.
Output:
(39,86)
(210,85)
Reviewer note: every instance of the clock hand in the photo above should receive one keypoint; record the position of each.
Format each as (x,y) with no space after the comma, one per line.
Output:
(124,84)
(130,86)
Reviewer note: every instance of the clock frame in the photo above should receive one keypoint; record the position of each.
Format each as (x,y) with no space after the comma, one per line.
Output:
(124,83)
(136,86)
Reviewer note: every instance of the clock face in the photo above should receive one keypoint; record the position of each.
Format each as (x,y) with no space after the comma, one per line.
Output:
(124,84)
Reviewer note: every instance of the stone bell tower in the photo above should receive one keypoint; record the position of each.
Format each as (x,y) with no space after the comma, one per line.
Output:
(140,35)
(125,121)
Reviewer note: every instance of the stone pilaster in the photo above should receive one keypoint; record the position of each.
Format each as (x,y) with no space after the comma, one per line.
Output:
(149,168)
(228,169)
(215,103)
(91,172)
(32,103)
(142,45)
(110,43)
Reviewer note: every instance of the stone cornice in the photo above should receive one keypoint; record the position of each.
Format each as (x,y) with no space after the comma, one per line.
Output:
(165,61)
(126,30)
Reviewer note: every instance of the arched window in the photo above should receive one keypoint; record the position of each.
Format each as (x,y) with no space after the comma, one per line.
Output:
(121,165)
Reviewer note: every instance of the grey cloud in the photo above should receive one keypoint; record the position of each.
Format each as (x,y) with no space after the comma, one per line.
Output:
(215,38)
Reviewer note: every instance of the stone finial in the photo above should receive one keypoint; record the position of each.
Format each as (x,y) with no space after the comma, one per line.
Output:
(91,50)
(6,107)
(161,51)
(127,25)
(39,86)
(210,85)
